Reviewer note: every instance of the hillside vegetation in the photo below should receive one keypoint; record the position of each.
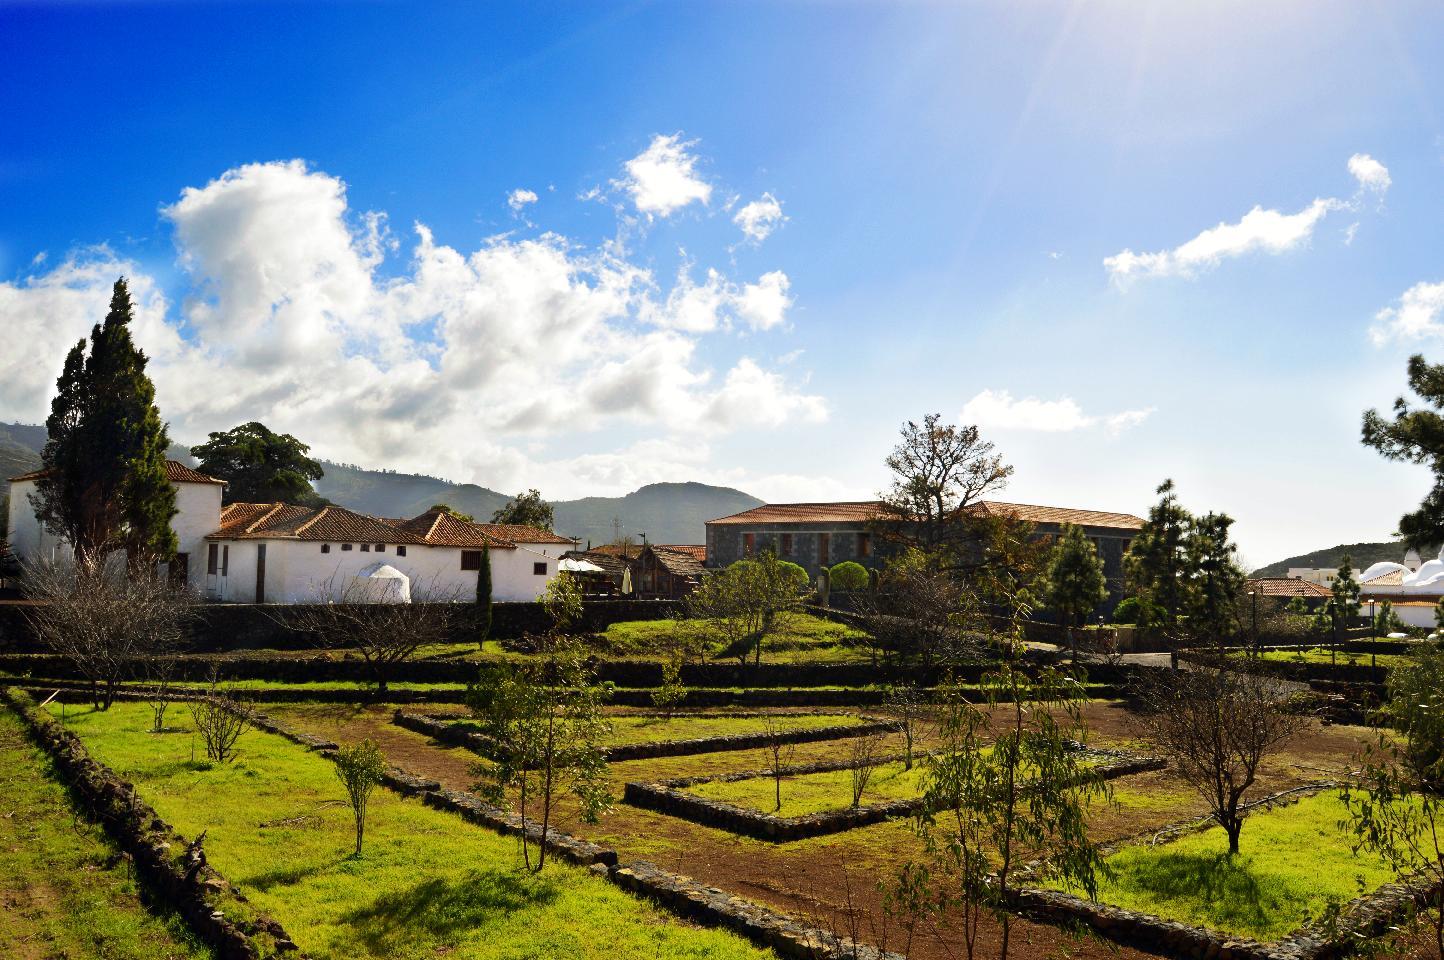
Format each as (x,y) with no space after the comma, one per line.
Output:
(1360,555)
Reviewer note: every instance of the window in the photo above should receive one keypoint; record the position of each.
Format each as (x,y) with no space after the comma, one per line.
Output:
(787,544)
(225,559)
(213,558)
(864,544)
(345,547)
(749,540)
(824,540)
(380,548)
(401,549)
(365,548)
(540,569)
(471,559)
(325,548)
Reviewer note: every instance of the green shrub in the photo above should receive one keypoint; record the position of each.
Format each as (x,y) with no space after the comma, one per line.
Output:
(1127,611)
(795,573)
(848,575)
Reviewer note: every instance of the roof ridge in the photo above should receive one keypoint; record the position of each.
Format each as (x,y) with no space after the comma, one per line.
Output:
(251,528)
(315,517)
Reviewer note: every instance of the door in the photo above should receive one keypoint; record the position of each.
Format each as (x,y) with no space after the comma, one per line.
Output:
(260,573)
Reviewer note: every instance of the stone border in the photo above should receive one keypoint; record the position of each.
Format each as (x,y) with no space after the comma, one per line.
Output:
(675,893)
(186,882)
(481,744)
(1359,920)
(672,797)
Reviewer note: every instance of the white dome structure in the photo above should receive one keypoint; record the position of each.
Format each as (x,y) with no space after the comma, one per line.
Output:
(1382,569)
(382,583)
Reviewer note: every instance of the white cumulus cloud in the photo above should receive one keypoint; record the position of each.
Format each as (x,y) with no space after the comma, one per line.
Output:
(999,410)
(519,198)
(453,361)
(1415,317)
(663,178)
(1258,231)
(759,218)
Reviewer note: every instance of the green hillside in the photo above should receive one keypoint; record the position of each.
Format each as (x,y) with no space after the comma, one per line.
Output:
(1360,555)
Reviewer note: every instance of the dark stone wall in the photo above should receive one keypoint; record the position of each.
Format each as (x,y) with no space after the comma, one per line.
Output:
(725,544)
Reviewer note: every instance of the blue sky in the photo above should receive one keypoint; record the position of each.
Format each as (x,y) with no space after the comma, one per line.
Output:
(953,179)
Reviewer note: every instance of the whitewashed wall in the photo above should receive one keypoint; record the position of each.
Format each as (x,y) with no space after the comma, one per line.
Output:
(297,571)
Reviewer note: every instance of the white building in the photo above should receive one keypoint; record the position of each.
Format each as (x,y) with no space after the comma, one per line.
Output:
(282,553)
(1323,576)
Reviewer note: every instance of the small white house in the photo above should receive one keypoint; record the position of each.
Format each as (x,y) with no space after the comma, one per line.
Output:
(198,506)
(283,553)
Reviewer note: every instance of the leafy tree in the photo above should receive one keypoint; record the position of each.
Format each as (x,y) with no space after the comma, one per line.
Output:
(985,810)
(446,508)
(1075,582)
(796,573)
(105,485)
(1388,620)
(562,602)
(483,595)
(1395,805)
(260,466)
(360,768)
(1215,579)
(745,604)
(1156,564)
(938,472)
(672,692)
(1216,726)
(545,718)
(1416,435)
(528,509)
(849,575)
(1345,589)
(1128,611)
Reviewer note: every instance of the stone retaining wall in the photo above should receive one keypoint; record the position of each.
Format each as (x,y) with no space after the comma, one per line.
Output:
(673,798)
(175,869)
(445,731)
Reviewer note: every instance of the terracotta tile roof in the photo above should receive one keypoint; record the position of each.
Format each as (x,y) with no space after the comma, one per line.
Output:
(1394,578)
(611,564)
(846,512)
(864,511)
(1288,587)
(438,528)
(1036,514)
(521,533)
(698,551)
(677,563)
(284,521)
(628,550)
(175,472)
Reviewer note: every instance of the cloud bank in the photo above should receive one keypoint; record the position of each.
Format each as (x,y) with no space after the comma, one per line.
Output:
(998,410)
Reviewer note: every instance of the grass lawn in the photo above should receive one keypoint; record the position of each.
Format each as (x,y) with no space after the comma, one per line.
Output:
(1321,655)
(629,729)
(429,884)
(1293,862)
(816,792)
(803,638)
(58,895)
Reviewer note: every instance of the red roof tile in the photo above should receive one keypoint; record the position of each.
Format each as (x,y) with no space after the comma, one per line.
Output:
(1288,587)
(521,533)
(175,471)
(697,551)
(867,510)
(439,528)
(1060,515)
(284,521)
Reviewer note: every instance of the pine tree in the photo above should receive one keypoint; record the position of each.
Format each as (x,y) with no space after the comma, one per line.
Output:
(1215,578)
(1075,581)
(483,595)
(1156,564)
(105,485)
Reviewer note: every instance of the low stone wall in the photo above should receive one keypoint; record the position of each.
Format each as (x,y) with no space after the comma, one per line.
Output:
(672,797)
(1359,922)
(1303,672)
(168,864)
(446,731)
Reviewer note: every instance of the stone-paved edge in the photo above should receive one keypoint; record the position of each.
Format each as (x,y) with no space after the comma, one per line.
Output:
(1359,920)
(201,895)
(671,797)
(678,894)
(445,732)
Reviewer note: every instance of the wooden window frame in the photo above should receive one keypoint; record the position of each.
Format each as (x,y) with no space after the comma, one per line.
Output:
(471,559)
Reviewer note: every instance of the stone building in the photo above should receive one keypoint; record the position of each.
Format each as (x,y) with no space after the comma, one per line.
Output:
(817,535)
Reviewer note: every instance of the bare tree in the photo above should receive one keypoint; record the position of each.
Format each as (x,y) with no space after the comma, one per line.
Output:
(1216,727)
(221,719)
(384,633)
(939,471)
(159,692)
(906,705)
(921,613)
(780,748)
(104,622)
(866,755)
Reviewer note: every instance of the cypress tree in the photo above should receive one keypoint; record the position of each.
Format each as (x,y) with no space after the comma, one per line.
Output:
(106,486)
(483,594)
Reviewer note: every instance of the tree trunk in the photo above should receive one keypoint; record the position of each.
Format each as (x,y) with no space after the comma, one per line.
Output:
(360,829)
(1233,828)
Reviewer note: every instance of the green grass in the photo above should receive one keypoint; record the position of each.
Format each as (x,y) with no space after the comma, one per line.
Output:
(61,895)
(1293,862)
(1322,655)
(804,638)
(815,792)
(628,729)
(429,884)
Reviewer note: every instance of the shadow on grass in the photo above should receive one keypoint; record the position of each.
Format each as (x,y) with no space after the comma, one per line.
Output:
(1224,886)
(442,908)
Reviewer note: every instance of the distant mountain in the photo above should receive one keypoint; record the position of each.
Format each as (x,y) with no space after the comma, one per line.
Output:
(1361,555)
(662,512)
